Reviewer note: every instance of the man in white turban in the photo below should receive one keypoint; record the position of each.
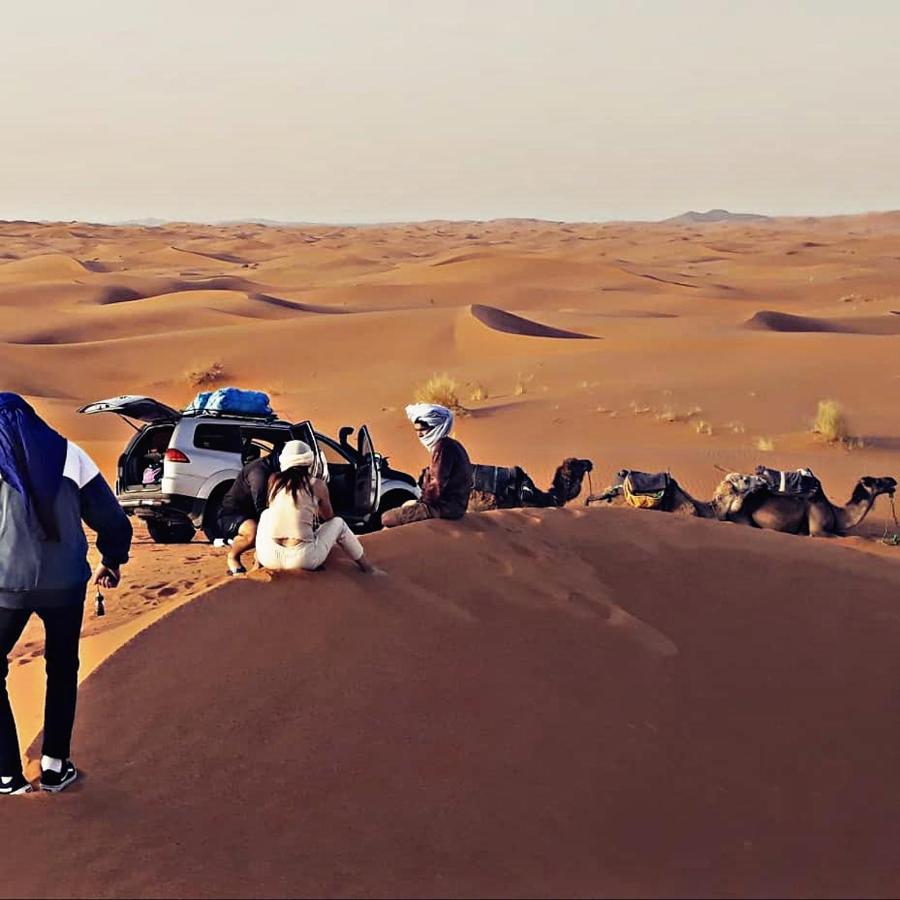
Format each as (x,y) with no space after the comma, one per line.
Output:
(447,482)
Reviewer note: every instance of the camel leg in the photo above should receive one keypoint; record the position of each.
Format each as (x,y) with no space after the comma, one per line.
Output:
(741,518)
(820,521)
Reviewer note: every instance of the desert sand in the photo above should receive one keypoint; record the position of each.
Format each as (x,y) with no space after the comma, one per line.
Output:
(575,702)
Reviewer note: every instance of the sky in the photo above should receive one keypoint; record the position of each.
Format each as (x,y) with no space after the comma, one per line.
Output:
(394,110)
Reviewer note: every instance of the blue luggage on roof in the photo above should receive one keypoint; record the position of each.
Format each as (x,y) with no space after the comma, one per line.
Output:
(231,401)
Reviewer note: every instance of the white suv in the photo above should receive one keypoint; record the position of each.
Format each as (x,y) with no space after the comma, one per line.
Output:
(178,466)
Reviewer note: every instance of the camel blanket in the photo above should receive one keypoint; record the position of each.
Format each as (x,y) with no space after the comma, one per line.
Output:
(796,482)
(644,490)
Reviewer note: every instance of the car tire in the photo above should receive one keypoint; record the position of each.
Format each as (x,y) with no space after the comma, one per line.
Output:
(211,513)
(170,532)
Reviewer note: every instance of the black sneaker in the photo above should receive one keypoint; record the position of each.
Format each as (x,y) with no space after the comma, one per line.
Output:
(54,782)
(17,786)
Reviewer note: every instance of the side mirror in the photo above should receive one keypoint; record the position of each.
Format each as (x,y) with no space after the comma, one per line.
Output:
(345,433)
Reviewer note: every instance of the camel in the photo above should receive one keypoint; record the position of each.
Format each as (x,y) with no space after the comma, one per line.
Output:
(814,515)
(512,488)
(675,498)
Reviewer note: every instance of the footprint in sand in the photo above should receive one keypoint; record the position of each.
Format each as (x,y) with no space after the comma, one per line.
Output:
(525,550)
(500,563)
(651,640)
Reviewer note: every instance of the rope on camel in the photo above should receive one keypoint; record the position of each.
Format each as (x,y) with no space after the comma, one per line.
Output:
(892,540)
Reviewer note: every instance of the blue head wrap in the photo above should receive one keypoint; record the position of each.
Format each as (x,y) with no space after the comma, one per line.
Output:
(32,458)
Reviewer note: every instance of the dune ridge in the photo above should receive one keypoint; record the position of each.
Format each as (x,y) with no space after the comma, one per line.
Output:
(510,323)
(787,323)
(509,715)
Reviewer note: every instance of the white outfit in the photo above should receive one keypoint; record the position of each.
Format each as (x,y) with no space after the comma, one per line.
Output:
(287,520)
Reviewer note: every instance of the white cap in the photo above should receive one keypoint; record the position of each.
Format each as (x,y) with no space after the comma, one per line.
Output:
(295,453)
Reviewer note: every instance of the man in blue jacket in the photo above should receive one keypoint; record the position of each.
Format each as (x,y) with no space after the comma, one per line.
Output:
(48,487)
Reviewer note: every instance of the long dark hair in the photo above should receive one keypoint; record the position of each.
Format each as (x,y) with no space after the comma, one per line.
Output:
(295,479)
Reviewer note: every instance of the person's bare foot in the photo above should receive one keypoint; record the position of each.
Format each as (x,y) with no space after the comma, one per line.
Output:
(367,567)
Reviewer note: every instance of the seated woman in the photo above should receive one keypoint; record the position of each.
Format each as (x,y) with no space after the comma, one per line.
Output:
(289,537)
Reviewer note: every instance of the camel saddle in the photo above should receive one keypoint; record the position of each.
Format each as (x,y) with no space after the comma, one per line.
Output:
(510,485)
(493,479)
(793,483)
(645,490)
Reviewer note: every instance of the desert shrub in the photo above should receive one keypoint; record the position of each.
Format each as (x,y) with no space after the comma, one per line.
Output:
(830,423)
(442,390)
(766,445)
(521,386)
(207,375)
(667,415)
(479,392)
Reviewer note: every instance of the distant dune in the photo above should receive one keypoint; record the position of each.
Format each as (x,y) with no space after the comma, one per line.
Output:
(507,322)
(769,320)
(692,217)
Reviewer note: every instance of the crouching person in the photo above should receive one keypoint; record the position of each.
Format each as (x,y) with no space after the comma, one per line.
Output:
(448,480)
(299,528)
(242,507)
(48,487)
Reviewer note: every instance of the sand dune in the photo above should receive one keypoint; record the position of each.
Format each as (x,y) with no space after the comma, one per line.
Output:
(768,320)
(509,323)
(510,713)
(576,702)
(46,267)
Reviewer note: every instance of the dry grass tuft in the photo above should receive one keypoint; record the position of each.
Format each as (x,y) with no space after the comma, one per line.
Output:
(479,393)
(442,390)
(637,409)
(667,415)
(522,383)
(205,376)
(766,445)
(702,427)
(830,423)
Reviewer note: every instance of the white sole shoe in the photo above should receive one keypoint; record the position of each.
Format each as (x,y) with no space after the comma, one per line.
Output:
(56,788)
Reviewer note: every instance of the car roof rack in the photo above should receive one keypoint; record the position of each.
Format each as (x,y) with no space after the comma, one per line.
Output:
(269,419)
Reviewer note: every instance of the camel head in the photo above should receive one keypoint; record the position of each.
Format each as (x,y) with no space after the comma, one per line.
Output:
(874,487)
(568,479)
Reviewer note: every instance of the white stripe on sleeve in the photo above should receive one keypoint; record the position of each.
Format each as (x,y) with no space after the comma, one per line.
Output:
(79,467)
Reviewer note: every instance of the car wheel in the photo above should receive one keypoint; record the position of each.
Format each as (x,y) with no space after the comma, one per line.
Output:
(211,513)
(170,532)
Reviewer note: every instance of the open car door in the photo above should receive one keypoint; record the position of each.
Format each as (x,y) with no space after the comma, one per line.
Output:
(145,409)
(303,431)
(368,477)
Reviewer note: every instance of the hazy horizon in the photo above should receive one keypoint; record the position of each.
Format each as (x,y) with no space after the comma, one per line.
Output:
(397,112)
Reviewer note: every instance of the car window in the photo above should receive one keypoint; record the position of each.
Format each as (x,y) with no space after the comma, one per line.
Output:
(222,438)
(265,439)
(332,455)
(264,447)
